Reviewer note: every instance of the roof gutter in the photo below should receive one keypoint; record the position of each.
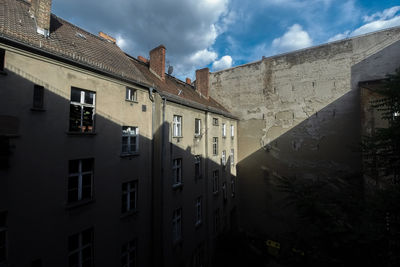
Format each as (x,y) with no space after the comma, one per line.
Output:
(24,46)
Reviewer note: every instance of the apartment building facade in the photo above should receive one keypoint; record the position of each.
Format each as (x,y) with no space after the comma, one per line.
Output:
(105,159)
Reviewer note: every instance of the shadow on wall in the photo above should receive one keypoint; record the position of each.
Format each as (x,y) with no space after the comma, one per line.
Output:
(34,186)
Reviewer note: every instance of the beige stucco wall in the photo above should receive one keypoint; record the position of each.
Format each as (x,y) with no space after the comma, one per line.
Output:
(35,184)
(299,115)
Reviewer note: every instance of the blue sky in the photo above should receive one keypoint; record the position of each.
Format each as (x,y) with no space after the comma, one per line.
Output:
(224,33)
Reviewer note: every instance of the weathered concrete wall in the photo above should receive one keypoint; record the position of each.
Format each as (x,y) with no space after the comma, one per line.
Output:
(299,116)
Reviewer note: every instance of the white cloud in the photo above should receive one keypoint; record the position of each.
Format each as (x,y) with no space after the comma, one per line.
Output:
(223,63)
(186,27)
(294,38)
(377,21)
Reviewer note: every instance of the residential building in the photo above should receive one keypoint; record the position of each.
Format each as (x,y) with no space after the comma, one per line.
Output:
(105,158)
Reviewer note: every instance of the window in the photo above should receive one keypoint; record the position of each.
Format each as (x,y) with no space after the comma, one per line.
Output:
(177,126)
(232,157)
(215,181)
(131,94)
(224,130)
(80,249)
(223,158)
(232,131)
(3,237)
(197,127)
(177,225)
(224,191)
(215,146)
(215,121)
(197,167)
(81,113)
(198,210)
(128,254)
(80,180)
(38,97)
(177,171)
(199,256)
(130,140)
(129,196)
(217,220)
(233,185)
(2,59)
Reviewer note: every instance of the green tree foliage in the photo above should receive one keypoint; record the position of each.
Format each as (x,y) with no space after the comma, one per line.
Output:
(343,221)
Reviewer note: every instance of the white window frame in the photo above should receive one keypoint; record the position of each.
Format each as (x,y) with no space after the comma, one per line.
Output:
(131,248)
(81,247)
(232,131)
(232,157)
(177,126)
(3,230)
(83,105)
(223,130)
(131,94)
(215,181)
(132,135)
(198,210)
(197,127)
(197,165)
(177,171)
(130,192)
(223,158)
(80,175)
(215,146)
(215,121)
(177,225)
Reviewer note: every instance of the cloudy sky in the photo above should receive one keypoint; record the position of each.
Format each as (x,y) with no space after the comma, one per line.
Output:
(224,33)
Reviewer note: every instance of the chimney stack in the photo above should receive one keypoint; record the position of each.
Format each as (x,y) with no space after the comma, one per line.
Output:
(188,81)
(157,61)
(41,10)
(202,82)
(144,60)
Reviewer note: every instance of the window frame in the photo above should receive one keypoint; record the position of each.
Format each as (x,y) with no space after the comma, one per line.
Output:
(38,94)
(232,157)
(215,181)
(80,185)
(131,247)
(215,146)
(177,225)
(177,126)
(130,135)
(83,105)
(198,211)
(131,191)
(232,131)
(81,247)
(223,158)
(215,121)
(197,127)
(131,94)
(177,172)
(223,130)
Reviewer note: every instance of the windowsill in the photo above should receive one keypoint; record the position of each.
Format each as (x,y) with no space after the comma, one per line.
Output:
(3,72)
(81,133)
(131,101)
(129,155)
(197,135)
(79,203)
(130,213)
(177,186)
(38,109)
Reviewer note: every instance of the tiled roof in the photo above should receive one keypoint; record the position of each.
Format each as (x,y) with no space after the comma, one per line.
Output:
(79,46)
(66,40)
(177,90)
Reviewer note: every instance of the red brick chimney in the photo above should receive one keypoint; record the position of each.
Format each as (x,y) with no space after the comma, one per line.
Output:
(202,82)
(188,81)
(157,61)
(41,10)
(142,59)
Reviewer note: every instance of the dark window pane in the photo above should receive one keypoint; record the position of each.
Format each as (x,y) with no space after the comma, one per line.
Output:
(73,166)
(87,119)
(89,98)
(73,195)
(87,180)
(73,182)
(87,237)
(38,96)
(87,165)
(87,192)
(75,118)
(87,254)
(73,242)
(73,260)
(75,95)
(3,216)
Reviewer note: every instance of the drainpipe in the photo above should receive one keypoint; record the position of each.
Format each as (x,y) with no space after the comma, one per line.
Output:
(206,181)
(163,144)
(152,182)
